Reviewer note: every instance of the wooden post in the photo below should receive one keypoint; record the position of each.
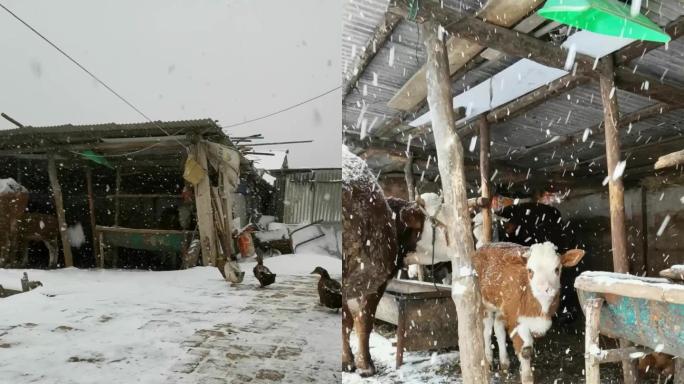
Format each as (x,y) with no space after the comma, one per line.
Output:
(465,291)
(205,219)
(116,196)
(59,207)
(486,192)
(616,190)
(679,370)
(228,212)
(91,206)
(592,310)
(408,175)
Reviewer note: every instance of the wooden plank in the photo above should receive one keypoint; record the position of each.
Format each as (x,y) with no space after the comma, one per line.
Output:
(670,160)
(485,186)
(91,207)
(380,36)
(205,220)
(665,292)
(505,13)
(59,207)
(518,44)
(648,86)
(450,159)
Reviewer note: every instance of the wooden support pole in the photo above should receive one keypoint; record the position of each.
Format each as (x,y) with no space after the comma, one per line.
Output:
(592,311)
(679,370)
(116,196)
(408,175)
(450,159)
(616,190)
(486,192)
(205,219)
(59,207)
(91,207)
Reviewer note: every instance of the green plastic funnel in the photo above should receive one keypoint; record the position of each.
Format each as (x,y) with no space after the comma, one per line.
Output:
(94,157)
(607,17)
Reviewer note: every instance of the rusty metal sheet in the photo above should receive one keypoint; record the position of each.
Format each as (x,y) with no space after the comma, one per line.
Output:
(654,324)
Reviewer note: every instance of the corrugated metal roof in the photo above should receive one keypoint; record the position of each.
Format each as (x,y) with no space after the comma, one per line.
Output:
(28,137)
(570,112)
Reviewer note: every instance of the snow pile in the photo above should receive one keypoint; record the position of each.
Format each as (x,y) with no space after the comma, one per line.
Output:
(297,264)
(11,186)
(354,168)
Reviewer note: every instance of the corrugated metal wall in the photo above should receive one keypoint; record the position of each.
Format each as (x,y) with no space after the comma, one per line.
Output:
(311,195)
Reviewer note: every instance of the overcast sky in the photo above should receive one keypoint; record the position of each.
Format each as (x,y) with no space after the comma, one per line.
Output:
(229,60)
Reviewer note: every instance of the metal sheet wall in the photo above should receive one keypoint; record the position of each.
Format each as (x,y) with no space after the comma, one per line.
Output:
(312,195)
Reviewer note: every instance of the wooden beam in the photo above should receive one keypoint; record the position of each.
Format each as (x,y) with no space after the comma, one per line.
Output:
(639,48)
(576,137)
(450,160)
(91,208)
(59,207)
(380,36)
(648,86)
(616,189)
(408,175)
(670,160)
(537,97)
(505,13)
(205,219)
(517,44)
(526,26)
(570,81)
(485,186)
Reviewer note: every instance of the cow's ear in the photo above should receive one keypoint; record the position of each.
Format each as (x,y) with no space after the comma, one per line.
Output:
(572,257)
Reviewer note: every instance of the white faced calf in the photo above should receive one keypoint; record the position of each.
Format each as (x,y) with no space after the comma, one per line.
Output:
(520,288)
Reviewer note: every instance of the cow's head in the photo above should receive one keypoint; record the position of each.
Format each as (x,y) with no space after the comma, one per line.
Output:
(431,202)
(544,268)
(412,216)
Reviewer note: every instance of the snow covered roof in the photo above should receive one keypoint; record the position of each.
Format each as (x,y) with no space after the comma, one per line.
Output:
(275,162)
(520,141)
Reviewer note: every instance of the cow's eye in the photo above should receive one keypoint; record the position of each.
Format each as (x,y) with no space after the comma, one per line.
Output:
(557,270)
(529,271)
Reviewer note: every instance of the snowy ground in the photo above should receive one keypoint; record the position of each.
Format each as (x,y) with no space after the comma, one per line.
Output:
(112,326)
(559,359)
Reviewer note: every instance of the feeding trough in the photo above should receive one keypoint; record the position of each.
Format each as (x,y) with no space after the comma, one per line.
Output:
(425,316)
(646,311)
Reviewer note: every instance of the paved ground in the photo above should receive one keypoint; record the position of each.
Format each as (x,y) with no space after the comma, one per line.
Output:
(281,335)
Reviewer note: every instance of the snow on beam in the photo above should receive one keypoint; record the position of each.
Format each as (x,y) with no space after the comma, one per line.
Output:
(518,44)
(505,13)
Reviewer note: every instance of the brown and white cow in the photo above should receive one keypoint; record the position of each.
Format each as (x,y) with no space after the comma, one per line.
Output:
(520,289)
(369,259)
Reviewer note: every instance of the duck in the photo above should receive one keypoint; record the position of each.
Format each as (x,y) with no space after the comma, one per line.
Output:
(329,290)
(262,273)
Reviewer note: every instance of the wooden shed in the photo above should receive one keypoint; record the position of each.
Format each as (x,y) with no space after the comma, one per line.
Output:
(515,104)
(128,185)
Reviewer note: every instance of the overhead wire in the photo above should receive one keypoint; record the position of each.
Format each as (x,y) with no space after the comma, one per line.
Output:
(91,74)
(282,110)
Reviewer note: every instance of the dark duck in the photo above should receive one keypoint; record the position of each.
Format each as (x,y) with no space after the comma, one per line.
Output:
(262,273)
(329,290)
